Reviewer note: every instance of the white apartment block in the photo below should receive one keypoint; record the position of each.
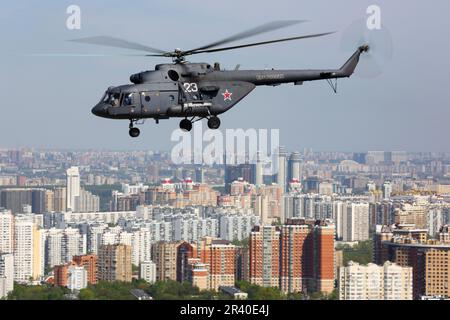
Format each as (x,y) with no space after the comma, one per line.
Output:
(73,186)
(77,278)
(373,282)
(6,274)
(6,231)
(237,227)
(62,244)
(356,224)
(191,230)
(147,271)
(23,248)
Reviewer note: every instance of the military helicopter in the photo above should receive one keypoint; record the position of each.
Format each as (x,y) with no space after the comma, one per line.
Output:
(196,91)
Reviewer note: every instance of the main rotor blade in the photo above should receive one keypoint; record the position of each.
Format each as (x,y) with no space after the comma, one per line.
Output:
(264,42)
(117,43)
(70,55)
(274,25)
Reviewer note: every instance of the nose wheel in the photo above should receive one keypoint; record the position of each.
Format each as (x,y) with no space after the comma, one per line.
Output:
(186,125)
(134,132)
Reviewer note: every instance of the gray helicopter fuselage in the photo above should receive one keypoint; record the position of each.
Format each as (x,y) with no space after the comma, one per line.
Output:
(199,89)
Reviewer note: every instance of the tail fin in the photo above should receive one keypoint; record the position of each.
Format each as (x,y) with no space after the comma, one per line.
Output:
(349,67)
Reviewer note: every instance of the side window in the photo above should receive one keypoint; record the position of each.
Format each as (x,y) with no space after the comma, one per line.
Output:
(128,99)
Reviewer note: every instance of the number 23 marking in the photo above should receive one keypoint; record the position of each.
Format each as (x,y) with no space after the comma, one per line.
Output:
(190,87)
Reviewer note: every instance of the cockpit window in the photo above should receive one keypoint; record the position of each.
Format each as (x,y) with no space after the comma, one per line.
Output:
(112,98)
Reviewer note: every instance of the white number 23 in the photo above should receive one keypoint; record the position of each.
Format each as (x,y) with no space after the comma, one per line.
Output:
(190,87)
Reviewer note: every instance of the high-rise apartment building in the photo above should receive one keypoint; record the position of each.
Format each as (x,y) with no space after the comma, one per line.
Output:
(259,170)
(299,256)
(356,222)
(77,278)
(28,249)
(73,187)
(164,255)
(415,214)
(6,231)
(294,167)
(6,274)
(219,257)
(410,247)
(60,199)
(62,244)
(89,262)
(293,240)
(264,248)
(320,258)
(282,170)
(114,263)
(15,199)
(147,271)
(49,201)
(373,282)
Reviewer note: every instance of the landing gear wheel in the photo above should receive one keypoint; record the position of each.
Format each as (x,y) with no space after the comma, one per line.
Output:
(134,132)
(214,122)
(186,125)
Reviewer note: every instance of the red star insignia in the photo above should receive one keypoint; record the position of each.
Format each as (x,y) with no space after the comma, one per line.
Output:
(226,95)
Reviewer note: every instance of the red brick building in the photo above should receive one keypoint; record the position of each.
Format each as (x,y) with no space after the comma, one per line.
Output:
(298,256)
(264,256)
(89,262)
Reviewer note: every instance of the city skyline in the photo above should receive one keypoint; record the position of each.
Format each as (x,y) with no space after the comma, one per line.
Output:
(77,221)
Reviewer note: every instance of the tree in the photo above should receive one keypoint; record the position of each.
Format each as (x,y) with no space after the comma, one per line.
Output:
(256,292)
(37,292)
(241,243)
(323,296)
(361,252)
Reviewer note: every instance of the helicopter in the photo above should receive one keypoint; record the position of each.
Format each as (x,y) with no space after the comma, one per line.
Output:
(196,91)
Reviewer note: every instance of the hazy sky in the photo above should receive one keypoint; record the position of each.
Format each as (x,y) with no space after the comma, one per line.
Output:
(47,101)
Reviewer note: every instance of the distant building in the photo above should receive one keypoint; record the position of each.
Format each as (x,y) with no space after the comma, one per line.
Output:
(60,274)
(89,262)
(73,187)
(264,248)
(28,249)
(164,255)
(282,169)
(15,199)
(387,189)
(297,257)
(198,274)
(6,274)
(6,231)
(373,282)
(415,214)
(114,263)
(356,222)
(294,167)
(219,257)
(77,278)
(147,271)
(408,246)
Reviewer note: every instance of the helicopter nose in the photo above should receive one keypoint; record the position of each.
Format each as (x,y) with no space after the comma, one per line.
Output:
(100,110)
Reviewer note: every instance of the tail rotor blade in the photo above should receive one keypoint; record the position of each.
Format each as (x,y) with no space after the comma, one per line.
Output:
(371,64)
